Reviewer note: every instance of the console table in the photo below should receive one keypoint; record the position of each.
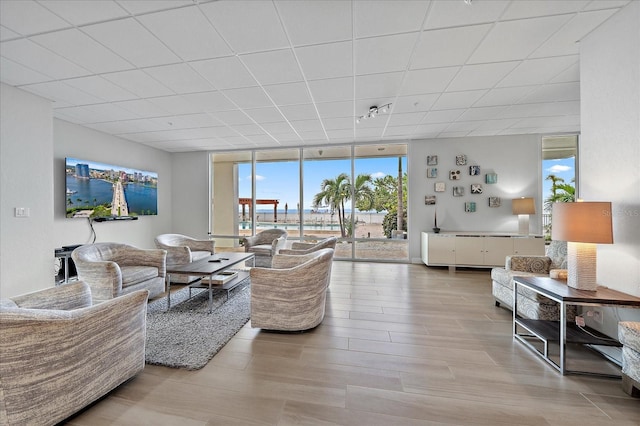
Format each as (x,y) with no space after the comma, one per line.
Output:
(476,249)
(561,332)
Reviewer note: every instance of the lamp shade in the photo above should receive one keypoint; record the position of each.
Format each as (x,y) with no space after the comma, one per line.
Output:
(582,222)
(523,205)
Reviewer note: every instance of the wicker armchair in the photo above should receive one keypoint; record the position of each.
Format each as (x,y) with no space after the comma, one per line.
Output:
(59,353)
(182,249)
(306,248)
(265,245)
(113,269)
(291,295)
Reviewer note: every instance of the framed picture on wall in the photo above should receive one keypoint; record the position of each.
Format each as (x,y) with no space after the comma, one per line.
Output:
(458,191)
(491,178)
(470,207)
(461,160)
(432,172)
(439,186)
(495,201)
(476,188)
(432,160)
(474,170)
(454,174)
(429,200)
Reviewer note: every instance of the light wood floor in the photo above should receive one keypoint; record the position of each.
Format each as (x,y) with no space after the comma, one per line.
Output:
(400,345)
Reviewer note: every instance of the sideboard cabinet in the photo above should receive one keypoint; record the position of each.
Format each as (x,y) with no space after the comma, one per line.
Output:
(481,250)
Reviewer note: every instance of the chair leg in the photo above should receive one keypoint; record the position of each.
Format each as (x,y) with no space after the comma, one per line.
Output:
(497,304)
(630,386)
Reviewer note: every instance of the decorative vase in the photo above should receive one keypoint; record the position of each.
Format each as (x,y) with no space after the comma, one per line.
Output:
(436,230)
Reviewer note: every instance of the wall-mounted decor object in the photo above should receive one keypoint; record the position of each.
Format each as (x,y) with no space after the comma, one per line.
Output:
(439,186)
(491,178)
(432,172)
(461,160)
(476,188)
(458,191)
(454,174)
(429,200)
(432,160)
(474,170)
(470,207)
(495,201)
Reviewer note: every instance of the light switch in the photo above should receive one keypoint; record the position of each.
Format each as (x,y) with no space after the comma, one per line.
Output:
(22,211)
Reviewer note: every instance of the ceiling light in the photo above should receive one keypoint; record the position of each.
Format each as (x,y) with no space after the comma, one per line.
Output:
(374,111)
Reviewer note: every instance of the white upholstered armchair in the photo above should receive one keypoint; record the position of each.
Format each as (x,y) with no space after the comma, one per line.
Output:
(59,353)
(113,269)
(182,249)
(265,245)
(291,295)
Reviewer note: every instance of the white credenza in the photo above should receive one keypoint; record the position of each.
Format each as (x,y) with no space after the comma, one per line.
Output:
(479,250)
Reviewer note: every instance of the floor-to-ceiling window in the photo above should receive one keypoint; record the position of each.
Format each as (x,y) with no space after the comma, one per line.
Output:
(350,192)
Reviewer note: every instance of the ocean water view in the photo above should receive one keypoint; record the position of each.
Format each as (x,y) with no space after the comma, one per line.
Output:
(141,199)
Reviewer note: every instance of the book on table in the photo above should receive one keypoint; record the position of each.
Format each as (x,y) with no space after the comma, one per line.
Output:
(222,277)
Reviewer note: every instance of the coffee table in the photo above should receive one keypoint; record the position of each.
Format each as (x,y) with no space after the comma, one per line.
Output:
(209,267)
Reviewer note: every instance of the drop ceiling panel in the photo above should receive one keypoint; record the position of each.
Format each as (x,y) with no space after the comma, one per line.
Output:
(248,97)
(460,43)
(142,108)
(335,109)
(289,93)
(554,93)
(197,40)
(312,22)
(137,7)
(17,75)
(180,78)
(100,88)
(444,14)
(59,92)
(427,80)
(514,40)
(338,123)
(481,76)
(82,50)
(26,17)
(331,90)
(260,30)
(378,85)
(452,100)
(209,102)
(411,118)
(444,116)
(225,73)
(82,13)
(536,8)
(279,66)
(326,60)
(504,96)
(482,113)
(388,17)
(538,71)
(299,112)
(133,42)
(138,83)
(414,103)
(384,54)
(232,117)
(35,57)
(7,34)
(265,115)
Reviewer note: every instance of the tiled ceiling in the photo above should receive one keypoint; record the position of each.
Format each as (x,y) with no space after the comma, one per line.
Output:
(189,75)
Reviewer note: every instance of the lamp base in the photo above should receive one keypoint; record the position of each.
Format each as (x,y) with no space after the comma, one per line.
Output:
(581,265)
(523,224)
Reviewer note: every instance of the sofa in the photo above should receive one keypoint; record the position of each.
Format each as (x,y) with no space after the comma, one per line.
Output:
(629,336)
(114,269)
(59,352)
(531,304)
(264,245)
(291,295)
(182,249)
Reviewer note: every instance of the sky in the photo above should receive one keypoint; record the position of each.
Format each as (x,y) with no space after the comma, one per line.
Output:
(563,168)
(101,166)
(279,180)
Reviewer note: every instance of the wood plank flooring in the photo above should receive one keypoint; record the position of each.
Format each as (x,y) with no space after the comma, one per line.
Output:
(400,345)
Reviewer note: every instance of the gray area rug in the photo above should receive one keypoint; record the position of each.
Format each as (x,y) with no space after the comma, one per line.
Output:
(188,336)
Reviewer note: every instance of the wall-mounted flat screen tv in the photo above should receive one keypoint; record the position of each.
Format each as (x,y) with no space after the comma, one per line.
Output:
(97,190)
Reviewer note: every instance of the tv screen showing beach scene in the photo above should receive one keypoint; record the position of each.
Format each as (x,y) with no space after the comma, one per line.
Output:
(98,190)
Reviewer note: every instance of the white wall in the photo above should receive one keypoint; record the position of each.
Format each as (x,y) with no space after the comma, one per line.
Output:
(516,160)
(26,147)
(71,140)
(191,195)
(610,143)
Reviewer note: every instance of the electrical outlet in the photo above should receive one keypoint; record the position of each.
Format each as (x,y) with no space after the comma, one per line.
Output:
(597,316)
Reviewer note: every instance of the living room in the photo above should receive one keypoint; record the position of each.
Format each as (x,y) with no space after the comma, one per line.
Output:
(35,143)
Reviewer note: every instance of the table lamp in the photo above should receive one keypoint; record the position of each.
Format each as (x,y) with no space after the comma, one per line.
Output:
(582,225)
(523,207)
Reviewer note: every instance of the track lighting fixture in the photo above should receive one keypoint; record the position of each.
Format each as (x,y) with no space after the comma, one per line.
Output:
(374,111)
